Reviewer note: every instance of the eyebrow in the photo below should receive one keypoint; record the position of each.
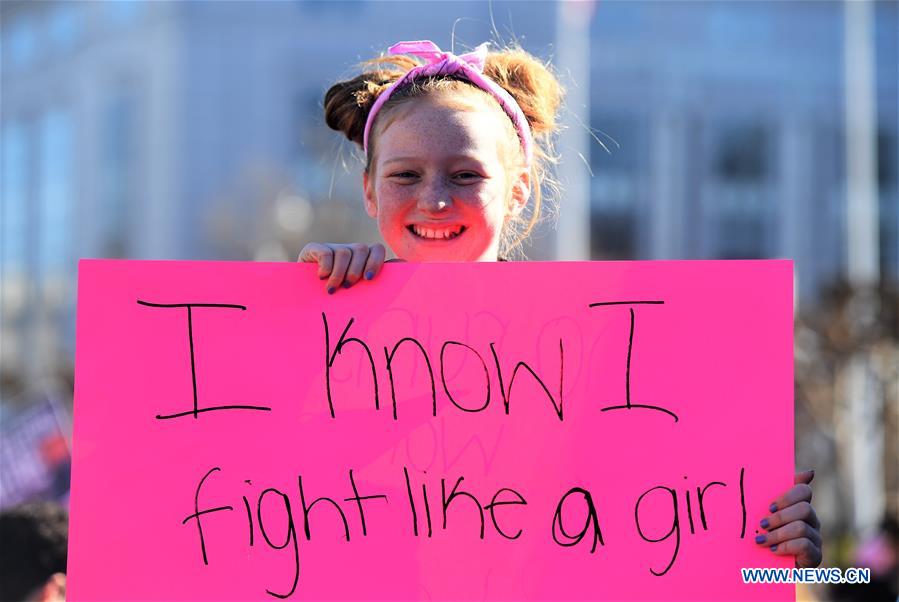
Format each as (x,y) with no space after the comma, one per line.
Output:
(399,160)
(450,158)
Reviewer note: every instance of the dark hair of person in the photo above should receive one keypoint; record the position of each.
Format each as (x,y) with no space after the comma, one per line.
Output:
(33,542)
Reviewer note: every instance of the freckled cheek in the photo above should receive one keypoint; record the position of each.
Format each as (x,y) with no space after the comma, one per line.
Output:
(392,208)
(492,209)
(481,198)
(392,228)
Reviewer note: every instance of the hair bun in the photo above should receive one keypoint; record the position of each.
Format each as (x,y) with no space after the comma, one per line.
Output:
(531,84)
(347,103)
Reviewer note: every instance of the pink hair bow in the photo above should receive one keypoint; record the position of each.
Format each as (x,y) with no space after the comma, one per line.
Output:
(430,52)
(470,66)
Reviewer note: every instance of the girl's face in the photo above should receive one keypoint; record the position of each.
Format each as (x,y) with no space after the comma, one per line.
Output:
(440,183)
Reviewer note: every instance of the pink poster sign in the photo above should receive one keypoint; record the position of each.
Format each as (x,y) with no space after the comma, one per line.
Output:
(503,431)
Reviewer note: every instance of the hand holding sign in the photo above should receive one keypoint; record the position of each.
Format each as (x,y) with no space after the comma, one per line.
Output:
(793,526)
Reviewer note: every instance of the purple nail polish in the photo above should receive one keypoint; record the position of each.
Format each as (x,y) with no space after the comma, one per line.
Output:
(346,284)
(764,523)
(759,539)
(773,507)
(774,548)
(331,290)
(369,275)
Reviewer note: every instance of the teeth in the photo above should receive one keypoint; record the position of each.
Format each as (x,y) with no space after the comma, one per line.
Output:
(436,233)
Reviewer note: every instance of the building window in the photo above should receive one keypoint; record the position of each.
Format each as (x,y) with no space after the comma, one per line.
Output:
(55,195)
(328,7)
(14,152)
(122,13)
(886,160)
(117,180)
(889,203)
(20,42)
(737,203)
(63,27)
(617,162)
(313,147)
(741,154)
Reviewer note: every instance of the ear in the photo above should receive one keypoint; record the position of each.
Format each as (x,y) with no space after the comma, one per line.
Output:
(521,192)
(371,203)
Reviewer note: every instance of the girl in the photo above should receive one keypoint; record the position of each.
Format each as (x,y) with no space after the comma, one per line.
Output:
(455,148)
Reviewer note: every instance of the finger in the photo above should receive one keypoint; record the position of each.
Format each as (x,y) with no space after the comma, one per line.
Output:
(802,511)
(806,552)
(357,265)
(795,530)
(320,254)
(805,476)
(376,256)
(342,257)
(794,495)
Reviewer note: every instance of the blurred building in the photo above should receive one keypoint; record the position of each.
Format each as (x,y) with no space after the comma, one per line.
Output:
(188,130)
(193,130)
(730,121)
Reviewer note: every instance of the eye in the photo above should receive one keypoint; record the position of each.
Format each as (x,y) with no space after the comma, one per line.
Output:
(404,174)
(467,176)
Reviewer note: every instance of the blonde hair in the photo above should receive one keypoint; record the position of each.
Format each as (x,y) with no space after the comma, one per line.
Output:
(533,86)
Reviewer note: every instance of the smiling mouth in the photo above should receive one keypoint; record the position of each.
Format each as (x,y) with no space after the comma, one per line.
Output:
(428,233)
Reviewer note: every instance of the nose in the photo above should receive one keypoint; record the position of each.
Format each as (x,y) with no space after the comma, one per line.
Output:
(435,198)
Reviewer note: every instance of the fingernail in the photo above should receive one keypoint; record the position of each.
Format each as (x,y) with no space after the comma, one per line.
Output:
(773,507)
(759,539)
(774,548)
(347,284)
(369,275)
(764,523)
(331,290)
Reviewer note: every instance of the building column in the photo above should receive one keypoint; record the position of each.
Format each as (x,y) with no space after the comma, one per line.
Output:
(792,211)
(667,206)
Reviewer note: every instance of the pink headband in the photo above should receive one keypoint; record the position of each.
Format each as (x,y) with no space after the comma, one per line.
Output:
(470,66)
